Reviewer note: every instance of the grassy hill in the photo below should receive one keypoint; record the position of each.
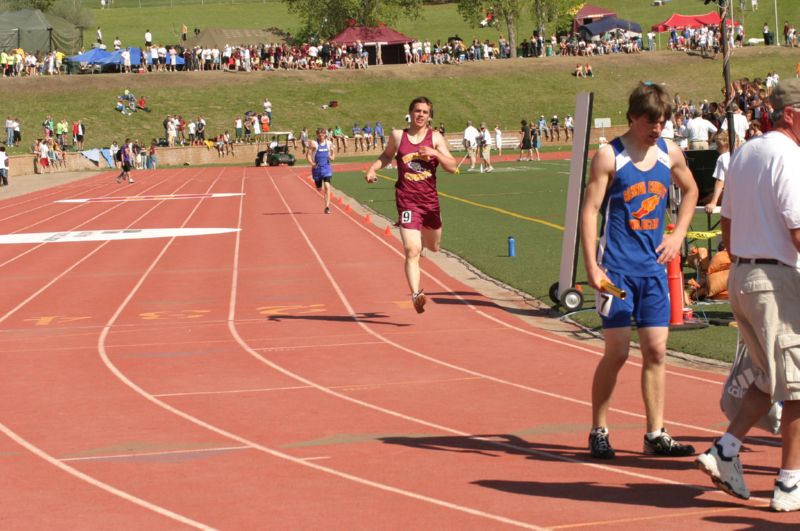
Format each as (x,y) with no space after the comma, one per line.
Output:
(502,91)
(165,17)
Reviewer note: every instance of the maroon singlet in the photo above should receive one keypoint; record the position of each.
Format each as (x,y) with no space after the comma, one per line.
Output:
(415,189)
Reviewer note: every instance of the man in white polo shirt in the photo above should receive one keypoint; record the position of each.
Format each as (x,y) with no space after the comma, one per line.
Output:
(699,131)
(471,143)
(761,228)
(740,124)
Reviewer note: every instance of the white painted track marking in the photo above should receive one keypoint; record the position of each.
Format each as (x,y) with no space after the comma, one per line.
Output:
(109,235)
(66,468)
(275,453)
(40,221)
(137,198)
(97,483)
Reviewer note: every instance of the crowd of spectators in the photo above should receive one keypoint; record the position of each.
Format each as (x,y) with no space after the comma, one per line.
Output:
(327,55)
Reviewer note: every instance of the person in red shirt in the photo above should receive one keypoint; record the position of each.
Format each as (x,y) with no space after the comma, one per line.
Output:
(418,151)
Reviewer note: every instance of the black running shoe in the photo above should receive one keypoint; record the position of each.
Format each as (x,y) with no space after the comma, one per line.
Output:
(599,445)
(666,446)
(327,210)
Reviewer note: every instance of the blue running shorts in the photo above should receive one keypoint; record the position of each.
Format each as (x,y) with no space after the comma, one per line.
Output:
(647,302)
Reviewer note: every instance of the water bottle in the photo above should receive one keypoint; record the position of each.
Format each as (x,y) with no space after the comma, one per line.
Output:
(512,247)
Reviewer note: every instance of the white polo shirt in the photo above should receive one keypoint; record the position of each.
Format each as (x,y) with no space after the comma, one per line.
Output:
(762,198)
(699,128)
(740,125)
(471,136)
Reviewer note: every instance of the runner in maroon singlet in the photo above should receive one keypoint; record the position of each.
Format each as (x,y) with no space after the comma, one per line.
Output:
(418,151)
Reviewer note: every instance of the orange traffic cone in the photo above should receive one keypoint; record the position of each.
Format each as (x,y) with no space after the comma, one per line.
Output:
(347,209)
(388,230)
(367,218)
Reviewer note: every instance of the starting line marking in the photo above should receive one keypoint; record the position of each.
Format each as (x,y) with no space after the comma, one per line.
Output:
(131,198)
(109,235)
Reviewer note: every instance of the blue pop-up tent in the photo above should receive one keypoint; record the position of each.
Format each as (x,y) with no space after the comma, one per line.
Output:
(136,57)
(95,56)
(610,23)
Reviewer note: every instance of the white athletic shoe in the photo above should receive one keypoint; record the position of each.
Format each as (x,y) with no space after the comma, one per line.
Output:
(725,472)
(785,498)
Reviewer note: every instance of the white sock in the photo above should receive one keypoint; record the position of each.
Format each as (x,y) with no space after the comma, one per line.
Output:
(789,478)
(730,445)
(600,429)
(654,434)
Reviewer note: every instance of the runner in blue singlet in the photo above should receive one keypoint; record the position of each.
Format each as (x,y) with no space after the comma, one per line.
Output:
(320,154)
(629,183)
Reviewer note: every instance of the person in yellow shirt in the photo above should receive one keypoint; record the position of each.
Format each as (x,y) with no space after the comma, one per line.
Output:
(59,61)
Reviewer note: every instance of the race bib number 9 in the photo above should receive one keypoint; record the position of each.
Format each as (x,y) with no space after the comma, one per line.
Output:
(405,216)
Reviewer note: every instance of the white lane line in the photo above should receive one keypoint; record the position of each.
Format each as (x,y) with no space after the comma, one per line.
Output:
(232,391)
(540,453)
(77,473)
(349,387)
(443,363)
(39,199)
(73,266)
(574,346)
(59,214)
(103,353)
(99,484)
(106,457)
(103,235)
(136,198)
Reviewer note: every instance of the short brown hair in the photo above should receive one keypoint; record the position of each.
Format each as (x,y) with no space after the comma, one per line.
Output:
(649,100)
(421,99)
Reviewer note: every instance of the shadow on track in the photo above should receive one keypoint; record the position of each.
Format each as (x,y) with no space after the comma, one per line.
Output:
(364,317)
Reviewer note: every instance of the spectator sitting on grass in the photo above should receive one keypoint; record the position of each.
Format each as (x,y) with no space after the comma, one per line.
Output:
(142,105)
(121,107)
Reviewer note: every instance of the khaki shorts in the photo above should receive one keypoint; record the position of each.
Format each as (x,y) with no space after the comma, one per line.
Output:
(766,303)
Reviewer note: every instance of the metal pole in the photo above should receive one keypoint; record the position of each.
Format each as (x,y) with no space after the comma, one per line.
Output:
(777,38)
(726,73)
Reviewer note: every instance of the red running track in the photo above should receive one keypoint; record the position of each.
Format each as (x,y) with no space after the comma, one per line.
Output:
(276,377)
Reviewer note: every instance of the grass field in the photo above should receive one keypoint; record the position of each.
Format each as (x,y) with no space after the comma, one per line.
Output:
(164,18)
(498,92)
(527,201)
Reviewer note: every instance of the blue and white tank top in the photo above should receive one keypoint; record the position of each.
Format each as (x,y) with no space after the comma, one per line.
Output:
(633,214)
(322,160)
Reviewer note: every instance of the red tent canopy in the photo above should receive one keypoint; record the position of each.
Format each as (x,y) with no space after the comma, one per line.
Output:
(366,35)
(593,12)
(589,14)
(690,21)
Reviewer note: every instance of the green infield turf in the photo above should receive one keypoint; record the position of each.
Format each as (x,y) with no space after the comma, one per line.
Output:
(527,201)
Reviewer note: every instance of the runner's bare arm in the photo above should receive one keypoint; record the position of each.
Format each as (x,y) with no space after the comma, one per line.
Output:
(312,149)
(331,150)
(600,175)
(386,157)
(441,152)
